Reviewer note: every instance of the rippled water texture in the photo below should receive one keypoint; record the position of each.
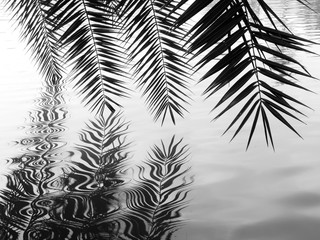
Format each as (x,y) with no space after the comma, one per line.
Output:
(66,174)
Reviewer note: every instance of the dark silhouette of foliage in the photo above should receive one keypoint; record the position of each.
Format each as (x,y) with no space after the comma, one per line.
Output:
(159,194)
(30,187)
(38,30)
(159,39)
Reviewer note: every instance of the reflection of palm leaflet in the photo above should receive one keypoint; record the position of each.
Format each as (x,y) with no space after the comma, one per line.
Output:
(35,179)
(90,205)
(87,201)
(156,200)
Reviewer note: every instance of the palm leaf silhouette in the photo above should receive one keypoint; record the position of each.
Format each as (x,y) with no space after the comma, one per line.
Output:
(90,37)
(160,38)
(156,200)
(38,29)
(84,203)
(34,181)
(156,52)
(231,29)
(90,205)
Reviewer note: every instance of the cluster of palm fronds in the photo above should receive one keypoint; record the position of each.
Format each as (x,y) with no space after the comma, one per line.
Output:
(98,197)
(159,39)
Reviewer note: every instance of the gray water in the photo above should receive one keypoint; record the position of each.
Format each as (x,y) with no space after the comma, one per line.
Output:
(57,182)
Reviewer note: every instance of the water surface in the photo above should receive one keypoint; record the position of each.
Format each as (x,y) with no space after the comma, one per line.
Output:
(67,174)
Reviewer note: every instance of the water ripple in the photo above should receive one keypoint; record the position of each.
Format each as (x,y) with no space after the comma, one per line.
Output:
(159,194)
(89,196)
(36,175)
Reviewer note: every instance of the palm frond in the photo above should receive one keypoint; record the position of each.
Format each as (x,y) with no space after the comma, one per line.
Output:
(34,177)
(231,29)
(307,4)
(38,29)
(230,41)
(15,202)
(156,200)
(92,46)
(87,204)
(104,145)
(6,232)
(156,52)
(97,177)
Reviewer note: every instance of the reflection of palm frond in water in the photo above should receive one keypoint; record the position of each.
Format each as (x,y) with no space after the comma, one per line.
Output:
(103,151)
(6,232)
(87,201)
(36,168)
(17,198)
(155,203)
(13,211)
(105,141)
(88,207)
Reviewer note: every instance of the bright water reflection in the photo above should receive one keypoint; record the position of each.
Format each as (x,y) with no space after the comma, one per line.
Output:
(85,192)
(64,179)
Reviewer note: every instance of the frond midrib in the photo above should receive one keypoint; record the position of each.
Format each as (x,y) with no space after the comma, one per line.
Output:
(101,85)
(161,50)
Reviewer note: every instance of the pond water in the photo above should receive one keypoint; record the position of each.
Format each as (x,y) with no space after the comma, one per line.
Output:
(66,174)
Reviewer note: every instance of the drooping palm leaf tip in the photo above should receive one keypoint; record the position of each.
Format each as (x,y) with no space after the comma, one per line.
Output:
(90,37)
(156,52)
(38,31)
(230,29)
(158,39)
